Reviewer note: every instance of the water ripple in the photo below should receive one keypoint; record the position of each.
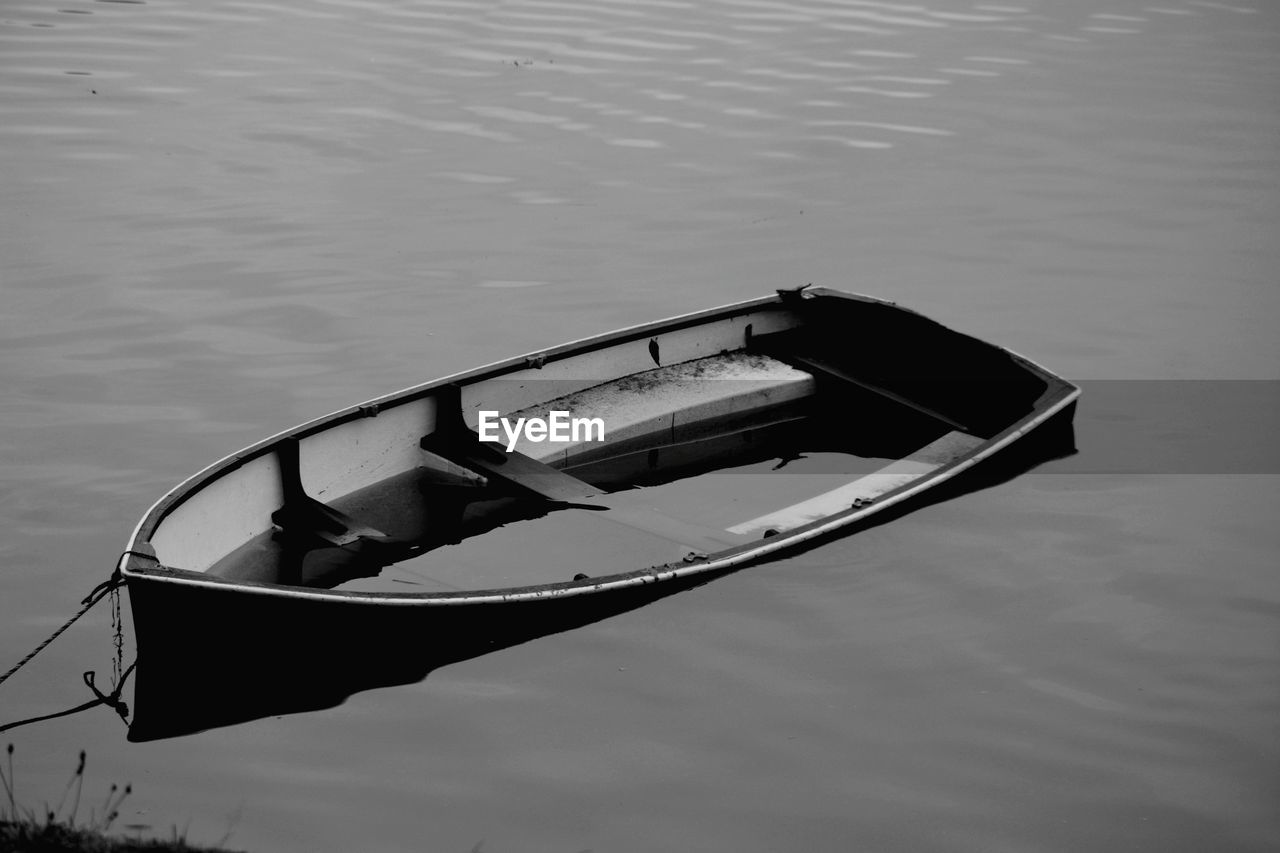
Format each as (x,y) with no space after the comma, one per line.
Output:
(222,217)
(732,69)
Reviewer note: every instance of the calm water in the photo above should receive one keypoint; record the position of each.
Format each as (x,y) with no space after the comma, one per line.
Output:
(221,218)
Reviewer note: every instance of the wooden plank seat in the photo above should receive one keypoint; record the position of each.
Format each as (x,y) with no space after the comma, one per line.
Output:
(669,405)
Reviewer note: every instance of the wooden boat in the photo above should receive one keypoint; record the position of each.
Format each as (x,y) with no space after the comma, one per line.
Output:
(729,435)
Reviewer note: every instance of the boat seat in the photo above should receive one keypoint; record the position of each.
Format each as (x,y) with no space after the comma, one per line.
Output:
(668,405)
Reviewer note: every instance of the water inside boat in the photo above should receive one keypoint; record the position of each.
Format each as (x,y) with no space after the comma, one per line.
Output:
(648,499)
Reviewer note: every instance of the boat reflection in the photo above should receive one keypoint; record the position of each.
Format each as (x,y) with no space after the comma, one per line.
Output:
(226,674)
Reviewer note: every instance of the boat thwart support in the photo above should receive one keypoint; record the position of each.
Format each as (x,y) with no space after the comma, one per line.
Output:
(304,517)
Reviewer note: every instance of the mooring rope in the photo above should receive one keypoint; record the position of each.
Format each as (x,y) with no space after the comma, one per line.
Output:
(97,594)
(112,700)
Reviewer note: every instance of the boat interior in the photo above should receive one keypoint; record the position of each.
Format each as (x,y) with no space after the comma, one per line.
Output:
(717,434)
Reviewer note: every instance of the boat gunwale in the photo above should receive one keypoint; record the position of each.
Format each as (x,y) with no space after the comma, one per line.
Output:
(1058,395)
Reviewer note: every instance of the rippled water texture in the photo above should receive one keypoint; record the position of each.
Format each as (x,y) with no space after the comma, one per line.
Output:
(221,218)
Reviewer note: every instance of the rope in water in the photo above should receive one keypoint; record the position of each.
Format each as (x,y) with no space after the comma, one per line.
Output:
(98,593)
(112,700)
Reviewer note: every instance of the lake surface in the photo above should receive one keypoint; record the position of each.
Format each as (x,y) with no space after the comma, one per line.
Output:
(220,219)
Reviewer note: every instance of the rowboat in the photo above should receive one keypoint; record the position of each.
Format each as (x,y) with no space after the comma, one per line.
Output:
(709,441)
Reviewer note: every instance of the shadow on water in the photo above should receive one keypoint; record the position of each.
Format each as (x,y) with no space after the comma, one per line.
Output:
(274,658)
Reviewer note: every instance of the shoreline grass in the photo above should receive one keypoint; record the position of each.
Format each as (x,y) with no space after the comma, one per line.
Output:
(60,830)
